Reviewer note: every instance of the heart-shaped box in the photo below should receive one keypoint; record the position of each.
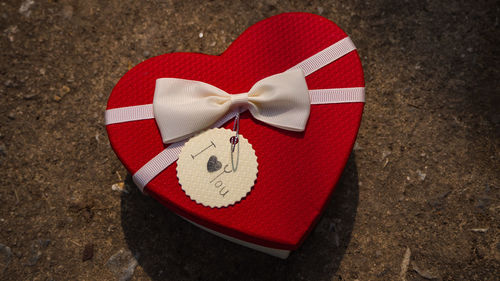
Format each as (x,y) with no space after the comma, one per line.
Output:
(298,171)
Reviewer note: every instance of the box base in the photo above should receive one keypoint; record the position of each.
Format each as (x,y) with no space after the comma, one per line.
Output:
(279,253)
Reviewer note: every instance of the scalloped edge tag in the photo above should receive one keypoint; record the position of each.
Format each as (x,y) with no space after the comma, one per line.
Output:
(211,174)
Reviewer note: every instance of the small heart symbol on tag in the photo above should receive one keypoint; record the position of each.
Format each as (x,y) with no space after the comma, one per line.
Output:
(213,164)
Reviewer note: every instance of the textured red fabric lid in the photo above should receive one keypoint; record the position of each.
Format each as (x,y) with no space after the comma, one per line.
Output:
(297,171)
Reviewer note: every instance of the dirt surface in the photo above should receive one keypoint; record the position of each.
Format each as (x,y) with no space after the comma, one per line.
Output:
(419,199)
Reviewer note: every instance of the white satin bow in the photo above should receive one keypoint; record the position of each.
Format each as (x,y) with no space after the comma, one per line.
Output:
(184,107)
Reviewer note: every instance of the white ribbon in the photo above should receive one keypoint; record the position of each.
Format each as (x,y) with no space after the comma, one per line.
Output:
(184,107)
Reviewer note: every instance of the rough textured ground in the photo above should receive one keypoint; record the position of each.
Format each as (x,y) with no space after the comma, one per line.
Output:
(419,200)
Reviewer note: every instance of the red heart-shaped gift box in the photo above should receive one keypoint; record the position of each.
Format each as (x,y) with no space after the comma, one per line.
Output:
(297,171)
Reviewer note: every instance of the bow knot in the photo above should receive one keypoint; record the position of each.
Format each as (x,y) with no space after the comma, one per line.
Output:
(184,107)
(239,100)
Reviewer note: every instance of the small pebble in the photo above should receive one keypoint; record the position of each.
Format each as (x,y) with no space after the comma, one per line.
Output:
(8,83)
(35,256)
(10,31)
(424,273)
(3,150)
(67,11)
(88,252)
(44,243)
(30,96)
(482,203)
(65,89)
(357,146)
(200,35)
(421,175)
(5,257)
(25,8)
(119,186)
(332,227)
(122,264)
(386,153)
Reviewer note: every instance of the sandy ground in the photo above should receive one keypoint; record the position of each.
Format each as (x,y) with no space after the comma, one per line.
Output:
(419,199)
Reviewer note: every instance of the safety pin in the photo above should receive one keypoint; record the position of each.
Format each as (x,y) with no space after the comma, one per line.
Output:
(234,140)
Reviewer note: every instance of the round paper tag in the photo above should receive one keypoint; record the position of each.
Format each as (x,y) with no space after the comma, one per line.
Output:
(207,173)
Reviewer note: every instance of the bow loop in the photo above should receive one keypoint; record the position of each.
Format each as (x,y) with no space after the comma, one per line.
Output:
(184,107)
